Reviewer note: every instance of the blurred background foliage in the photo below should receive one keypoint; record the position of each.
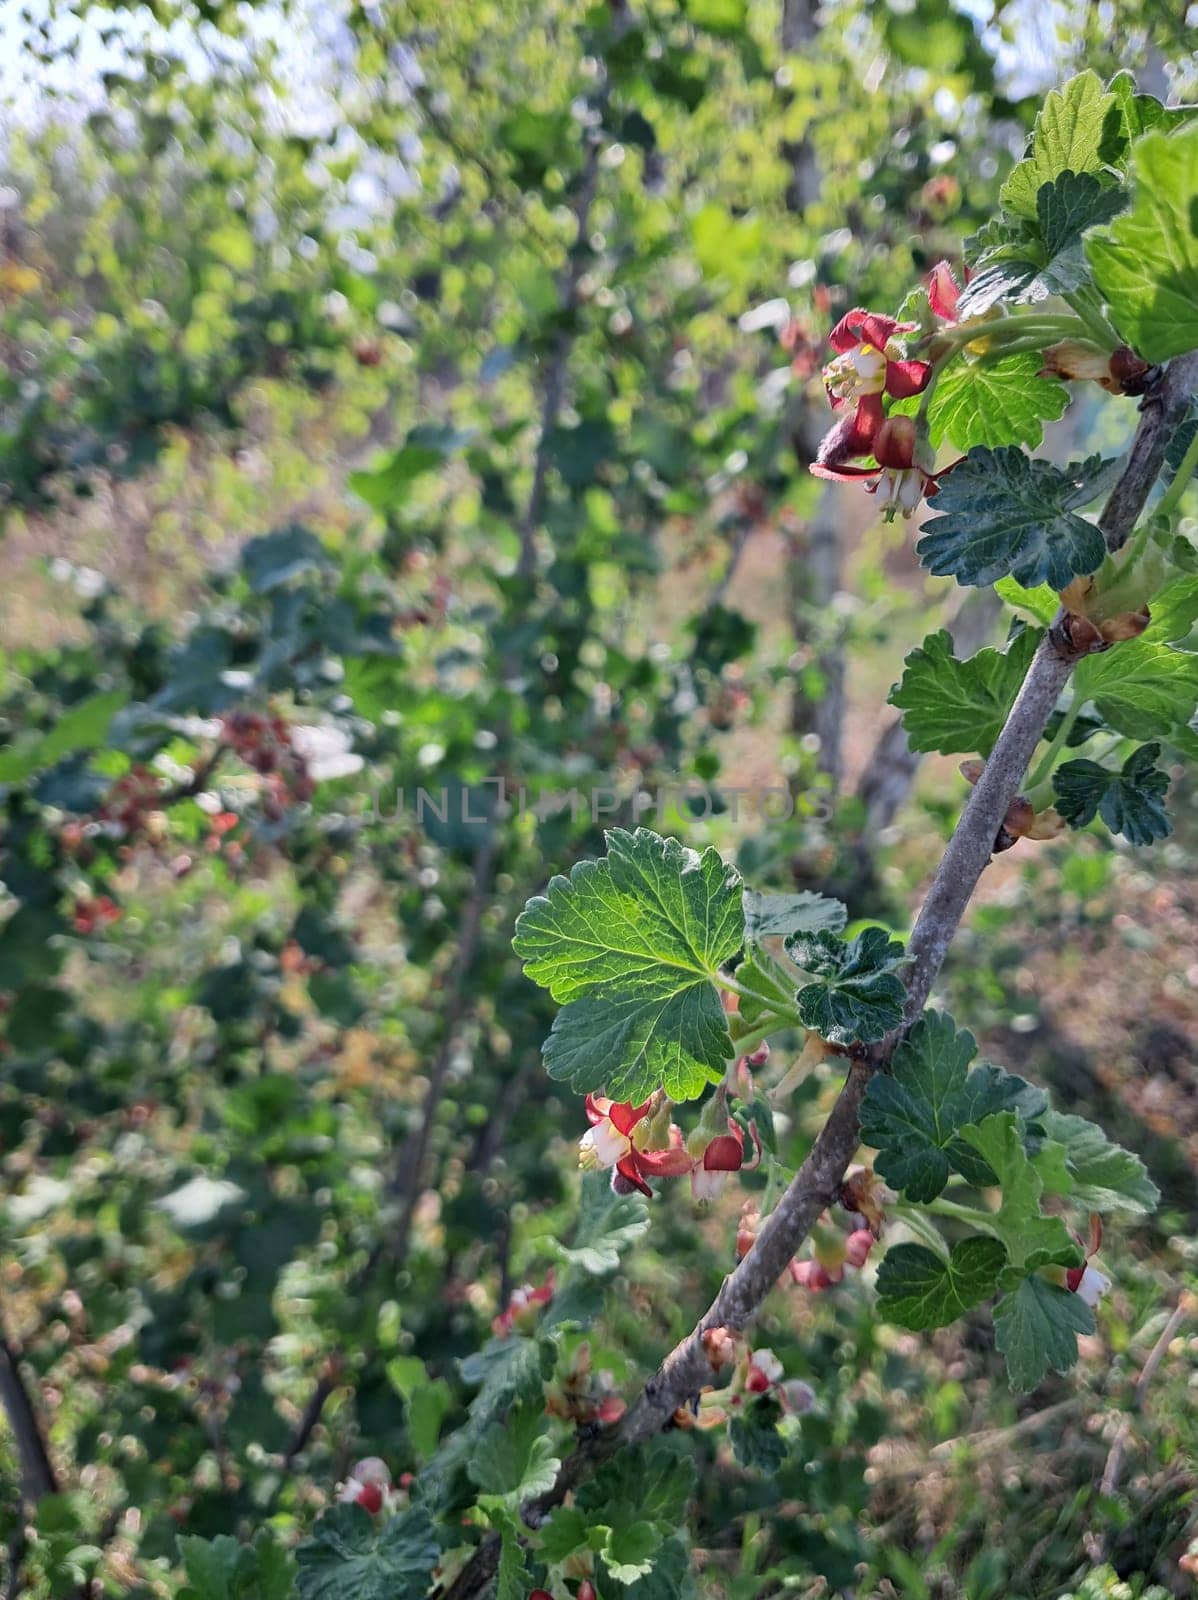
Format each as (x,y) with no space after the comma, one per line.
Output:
(405,395)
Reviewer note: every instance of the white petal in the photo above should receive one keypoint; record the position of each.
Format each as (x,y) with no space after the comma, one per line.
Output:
(1093,1286)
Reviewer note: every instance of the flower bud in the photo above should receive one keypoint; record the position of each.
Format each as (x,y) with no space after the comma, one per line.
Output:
(1079,359)
(894,444)
(719,1345)
(1127,626)
(1020,817)
(796,1395)
(857,1247)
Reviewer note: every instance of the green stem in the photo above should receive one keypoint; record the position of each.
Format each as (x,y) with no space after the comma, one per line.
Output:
(912,1218)
(1089,309)
(1015,327)
(1034,342)
(973,1215)
(1180,480)
(748,1042)
(1059,740)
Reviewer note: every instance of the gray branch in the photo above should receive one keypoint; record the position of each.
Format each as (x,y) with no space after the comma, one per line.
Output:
(814,1186)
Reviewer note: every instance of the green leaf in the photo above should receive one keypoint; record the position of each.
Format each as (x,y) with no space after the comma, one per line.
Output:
(1000,513)
(631,944)
(1032,1239)
(350,1556)
(427,1401)
(1105,1177)
(955,706)
(84,726)
(1130,802)
(1067,136)
(773,995)
(1036,1328)
(1041,604)
(274,559)
(754,1437)
(512,1576)
(225,1569)
(994,402)
(856,995)
(1138,113)
(608,1223)
(919,1289)
(1146,262)
(915,1116)
(1142,686)
(777,915)
(514,1459)
(628,1550)
(1065,208)
(564,1532)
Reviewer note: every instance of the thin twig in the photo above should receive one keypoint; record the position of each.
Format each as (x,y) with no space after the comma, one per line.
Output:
(814,1186)
(38,1477)
(410,1168)
(1114,1461)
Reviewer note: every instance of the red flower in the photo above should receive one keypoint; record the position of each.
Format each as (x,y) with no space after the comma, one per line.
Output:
(617,1138)
(897,477)
(522,1306)
(943,292)
(721,1155)
(369,1486)
(1086,1281)
(869,363)
(92,914)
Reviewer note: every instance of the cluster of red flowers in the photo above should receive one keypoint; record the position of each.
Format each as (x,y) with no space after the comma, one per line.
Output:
(94,913)
(870,364)
(266,744)
(641,1142)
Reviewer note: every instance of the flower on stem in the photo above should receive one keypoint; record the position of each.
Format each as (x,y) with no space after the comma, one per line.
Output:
(943,292)
(900,475)
(523,1307)
(716,1155)
(1120,371)
(870,361)
(369,1486)
(1086,1281)
(763,1372)
(620,1137)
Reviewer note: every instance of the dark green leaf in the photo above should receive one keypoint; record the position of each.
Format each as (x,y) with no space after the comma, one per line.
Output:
(1036,1328)
(754,1437)
(856,995)
(919,1289)
(514,1459)
(351,1556)
(915,1116)
(777,915)
(1130,802)
(1000,513)
(276,558)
